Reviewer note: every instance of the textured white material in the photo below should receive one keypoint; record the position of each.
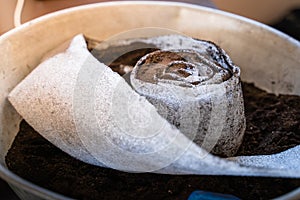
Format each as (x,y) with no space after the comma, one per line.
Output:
(288,159)
(77,104)
(210,113)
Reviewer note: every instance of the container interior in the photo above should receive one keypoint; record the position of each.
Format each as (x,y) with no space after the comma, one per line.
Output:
(266,57)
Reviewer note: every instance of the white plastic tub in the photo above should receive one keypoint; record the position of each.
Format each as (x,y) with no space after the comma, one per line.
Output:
(266,57)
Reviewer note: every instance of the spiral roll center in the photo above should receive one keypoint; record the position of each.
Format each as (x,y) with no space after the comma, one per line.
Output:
(185,68)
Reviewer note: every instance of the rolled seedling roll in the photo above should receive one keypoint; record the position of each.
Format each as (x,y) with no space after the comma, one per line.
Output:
(197,91)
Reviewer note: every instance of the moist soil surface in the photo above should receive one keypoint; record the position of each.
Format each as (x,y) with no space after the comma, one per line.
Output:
(273,125)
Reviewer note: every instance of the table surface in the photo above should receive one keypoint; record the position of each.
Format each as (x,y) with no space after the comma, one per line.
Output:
(6,193)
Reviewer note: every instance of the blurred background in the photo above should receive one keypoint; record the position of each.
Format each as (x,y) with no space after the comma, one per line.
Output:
(267,11)
(283,15)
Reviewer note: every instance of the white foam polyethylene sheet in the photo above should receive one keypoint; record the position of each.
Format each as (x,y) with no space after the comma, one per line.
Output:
(76,102)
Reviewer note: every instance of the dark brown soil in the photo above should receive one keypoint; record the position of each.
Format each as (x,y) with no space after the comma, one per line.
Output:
(273,125)
(273,122)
